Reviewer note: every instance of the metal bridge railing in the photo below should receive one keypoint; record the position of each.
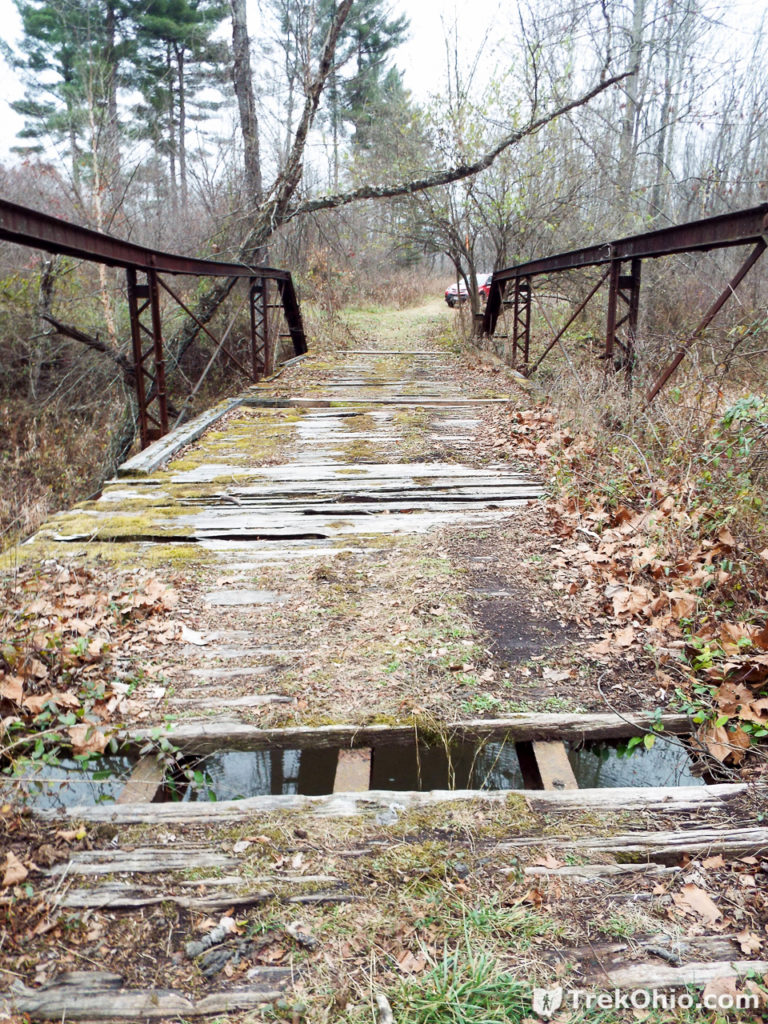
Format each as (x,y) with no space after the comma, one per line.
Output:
(623,261)
(269,291)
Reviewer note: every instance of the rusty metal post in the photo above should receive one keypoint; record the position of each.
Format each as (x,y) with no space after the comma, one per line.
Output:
(149,362)
(159,395)
(521,320)
(528,293)
(134,294)
(269,355)
(257,342)
(260,346)
(515,320)
(612,314)
(630,285)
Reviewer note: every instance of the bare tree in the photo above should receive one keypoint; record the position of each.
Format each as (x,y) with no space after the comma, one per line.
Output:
(242,76)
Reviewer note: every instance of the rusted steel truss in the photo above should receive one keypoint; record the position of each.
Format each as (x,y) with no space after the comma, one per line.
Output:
(623,259)
(143,268)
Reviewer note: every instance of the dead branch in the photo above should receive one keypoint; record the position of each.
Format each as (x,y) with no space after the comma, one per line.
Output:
(459,171)
(94,342)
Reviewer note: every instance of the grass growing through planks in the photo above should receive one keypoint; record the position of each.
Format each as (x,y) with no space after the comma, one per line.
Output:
(466,986)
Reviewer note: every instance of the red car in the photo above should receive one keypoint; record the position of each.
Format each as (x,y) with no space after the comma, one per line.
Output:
(454,295)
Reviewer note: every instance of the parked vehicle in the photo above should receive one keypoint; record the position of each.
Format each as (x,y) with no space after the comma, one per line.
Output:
(456,294)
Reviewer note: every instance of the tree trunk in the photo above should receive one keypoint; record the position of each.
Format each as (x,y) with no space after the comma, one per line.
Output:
(182,129)
(171,134)
(627,144)
(246,102)
(112,162)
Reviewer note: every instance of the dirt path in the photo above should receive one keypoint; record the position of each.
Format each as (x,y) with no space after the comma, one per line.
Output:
(352,546)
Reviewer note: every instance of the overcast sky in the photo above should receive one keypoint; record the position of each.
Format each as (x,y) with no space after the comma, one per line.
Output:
(422,58)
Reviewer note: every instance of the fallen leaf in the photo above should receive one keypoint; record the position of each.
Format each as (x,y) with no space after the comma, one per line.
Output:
(548,861)
(692,898)
(749,942)
(15,871)
(724,744)
(712,863)
(410,964)
(624,637)
(86,739)
(35,702)
(191,636)
(271,954)
(70,835)
(726,538)
(718,988)
(12,688)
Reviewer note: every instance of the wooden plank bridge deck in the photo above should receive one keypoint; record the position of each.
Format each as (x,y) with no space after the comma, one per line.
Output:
(311,530)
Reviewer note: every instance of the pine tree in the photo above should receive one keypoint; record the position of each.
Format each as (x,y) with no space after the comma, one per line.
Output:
(177,58)
(365,78)
(71,55)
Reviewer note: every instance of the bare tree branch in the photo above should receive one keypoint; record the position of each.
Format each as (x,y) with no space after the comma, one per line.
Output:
(94,342)
(274,211)
(450,174)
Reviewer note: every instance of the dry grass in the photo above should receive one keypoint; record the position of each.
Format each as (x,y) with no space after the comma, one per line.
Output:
(48,460)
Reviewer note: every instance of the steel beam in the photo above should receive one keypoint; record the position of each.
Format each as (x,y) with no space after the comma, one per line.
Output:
(521,321)
(622,288)
(705,321)
(740,228)
(259,325)
(24,226)
(31,227)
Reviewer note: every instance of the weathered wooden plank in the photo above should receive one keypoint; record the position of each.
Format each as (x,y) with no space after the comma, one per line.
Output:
(207,736)
(96,997)
(669,949)
(144,782)
(553,764)
(675,800)
(309,402)
(152,457)
(353,771)
(667,847)
(117,897)
(660,976)
(124,895)
(588,872)
(104,862)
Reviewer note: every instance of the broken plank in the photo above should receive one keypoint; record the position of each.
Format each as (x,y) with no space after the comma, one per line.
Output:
(353,771)
(104,862)
(114,897)
(392,352)
(658,846)
(81,997)
(144,782)
(121,895)
(672,949)
(655,975)
(590,872)
(553,764)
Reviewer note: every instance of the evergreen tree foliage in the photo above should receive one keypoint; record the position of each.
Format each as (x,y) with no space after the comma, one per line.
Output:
(177,58)
(71,55)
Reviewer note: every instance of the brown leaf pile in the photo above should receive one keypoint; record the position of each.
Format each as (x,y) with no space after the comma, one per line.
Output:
(62,630)
(663,574)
